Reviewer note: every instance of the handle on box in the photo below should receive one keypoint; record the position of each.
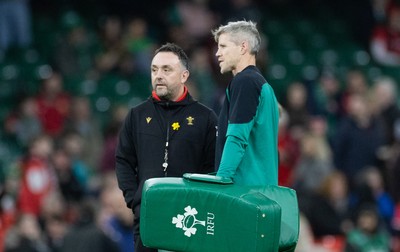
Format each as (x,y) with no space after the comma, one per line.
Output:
(208,178)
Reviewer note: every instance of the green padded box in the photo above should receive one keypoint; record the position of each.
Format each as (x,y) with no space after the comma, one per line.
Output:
(209,213)
(286,199)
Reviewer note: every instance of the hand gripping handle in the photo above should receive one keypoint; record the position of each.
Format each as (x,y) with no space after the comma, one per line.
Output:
(208,178)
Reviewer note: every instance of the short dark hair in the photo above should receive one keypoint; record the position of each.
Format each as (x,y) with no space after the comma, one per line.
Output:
(177,50)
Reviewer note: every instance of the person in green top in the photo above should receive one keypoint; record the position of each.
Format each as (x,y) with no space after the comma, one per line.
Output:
(247,142)
(368,235)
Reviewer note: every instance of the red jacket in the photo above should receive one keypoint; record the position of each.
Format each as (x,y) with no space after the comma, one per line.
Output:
(35,185)
(53,113)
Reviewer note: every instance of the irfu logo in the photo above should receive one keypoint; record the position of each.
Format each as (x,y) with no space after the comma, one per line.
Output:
(188,221)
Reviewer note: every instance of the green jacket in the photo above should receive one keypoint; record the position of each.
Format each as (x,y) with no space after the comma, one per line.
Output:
(247,144)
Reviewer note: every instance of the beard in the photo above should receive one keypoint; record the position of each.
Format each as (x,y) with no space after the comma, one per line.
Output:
(163,93)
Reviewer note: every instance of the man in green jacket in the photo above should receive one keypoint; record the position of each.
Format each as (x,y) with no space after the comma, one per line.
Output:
(247,144)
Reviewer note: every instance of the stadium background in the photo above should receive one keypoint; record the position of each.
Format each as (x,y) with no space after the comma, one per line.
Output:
(102,51)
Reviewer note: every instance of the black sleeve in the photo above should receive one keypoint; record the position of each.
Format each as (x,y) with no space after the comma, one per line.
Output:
(126,161)
(244,98)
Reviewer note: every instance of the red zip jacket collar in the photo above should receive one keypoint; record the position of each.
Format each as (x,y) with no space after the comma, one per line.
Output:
(181,98)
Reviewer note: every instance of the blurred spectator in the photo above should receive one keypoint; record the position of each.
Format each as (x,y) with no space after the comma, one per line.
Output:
(195,20)
(371,190)
(111,137)
(358,138)
(112,52)
(325,100)
(85,235)
(316,161)
(328,210)
(53,205)
(37,179)
(201,74)
(24,124)
(384,43)
(139,44)
(53,104)
(71,188)
(72,143)
(384,94)
(289,152)
(296,107)
(177,34)
(26,236)
(379,10)
(367,235)
(82,121)
(15,24)
(75,47)
(54,219)
(355,83)
(55,228)
(118,220)
(7,212)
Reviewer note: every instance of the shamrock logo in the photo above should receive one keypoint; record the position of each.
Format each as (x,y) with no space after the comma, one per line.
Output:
(187,221)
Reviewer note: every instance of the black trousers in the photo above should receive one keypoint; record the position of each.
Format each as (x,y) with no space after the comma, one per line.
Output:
(139,247)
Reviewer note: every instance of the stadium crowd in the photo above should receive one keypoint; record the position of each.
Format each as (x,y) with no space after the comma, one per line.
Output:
(339,136)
